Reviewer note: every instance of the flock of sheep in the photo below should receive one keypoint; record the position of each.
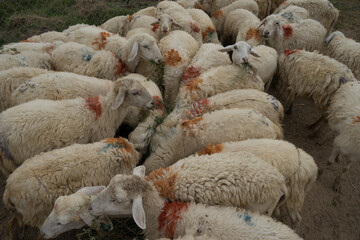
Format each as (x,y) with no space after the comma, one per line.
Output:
(216,165)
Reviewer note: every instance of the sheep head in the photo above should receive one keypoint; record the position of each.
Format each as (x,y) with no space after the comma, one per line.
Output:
(271,24)
(241,51)
(71,212)
(166,22)
(332,35)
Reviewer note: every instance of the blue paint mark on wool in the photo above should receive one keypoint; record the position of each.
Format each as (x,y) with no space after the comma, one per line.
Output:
(111,146)
(87,55)
(247,218)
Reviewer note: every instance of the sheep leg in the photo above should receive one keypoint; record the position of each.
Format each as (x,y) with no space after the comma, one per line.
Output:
(334,155)
(295,218)
(345,170)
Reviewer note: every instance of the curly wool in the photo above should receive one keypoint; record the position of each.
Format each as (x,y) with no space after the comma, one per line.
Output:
(25,59)
(207,27)
(32,189)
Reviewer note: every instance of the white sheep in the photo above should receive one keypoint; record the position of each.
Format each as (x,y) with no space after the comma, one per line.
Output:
(161,218)
(41,47)
(177,48)
(76,27)
(71,212)
(25,59)
(344,120)
(262,59)
(320,10)
(32,189)
(150,11)
(294,13)
(11,79)
(218,17)
(241,25)
(208,84)
(208,30)
(56,124)
(298,167)
(282,35)
(187,3)
(117,25)
(241,98)
(193,135)
(344,50)
(49,37)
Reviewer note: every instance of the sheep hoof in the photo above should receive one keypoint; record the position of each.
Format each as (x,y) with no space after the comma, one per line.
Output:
(337,185)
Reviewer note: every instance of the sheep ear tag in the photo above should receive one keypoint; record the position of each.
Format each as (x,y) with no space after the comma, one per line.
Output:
(138,212)
(119,99)
(134,51)
(227,48)
(139,171)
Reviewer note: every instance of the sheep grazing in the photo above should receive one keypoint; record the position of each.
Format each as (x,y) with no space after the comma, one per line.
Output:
(281,35)
(117,25)
(320,10)
(208,30)
(71,212)
(92,119)
(193,135)
(241,25)
(25,59)
(161,218)
(208,84)
(49,37)
(310,74)
(241,98)
(344,121)
(11,79)
(178,47)
(218,17)
(344,50)
(298,167)
(32,189)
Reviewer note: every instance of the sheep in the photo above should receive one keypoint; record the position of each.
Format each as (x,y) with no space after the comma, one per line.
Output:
(208,84)
(71,212)
(241,25)
(219,16)
(32,189)
(192,236)
(187,3)
(206,57)
(298,167)
(150,11)
(25,59)
(344,50)
(161,218)
(49,122)
(177,48)
(343,117)
(81,59)
(241,98)
(208,30)
(42,47)
(11,79)
(49,37)
(310,74)
(117,25)
(76,27)
(320,10)
(262,59)
(293,14)
(283,36)
(192,135)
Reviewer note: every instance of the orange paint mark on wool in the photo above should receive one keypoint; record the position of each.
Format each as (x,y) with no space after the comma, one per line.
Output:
(27,40)
(287,52)
(253,33)
(164,182)
(119,67)
(158,102)
(121,143)
(356,120)
(172,57)
(197,6)
(155,27)
(211,149)
(181,4)
(193,84)
(94,105)
(194,27)
(170,215)
(188,124)
(191,72)
(208,32)
(217,13)
(198,108)
(130,18)
(102,40)
(288,31)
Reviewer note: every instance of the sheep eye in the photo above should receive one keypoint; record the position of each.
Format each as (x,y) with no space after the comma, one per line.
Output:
(277,23)
(135,93)
(146,46)
(58,223)
(159,19)
(171,20)
(235,47)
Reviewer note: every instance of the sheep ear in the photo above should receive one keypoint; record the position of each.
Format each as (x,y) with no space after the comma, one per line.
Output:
(254,54)
(139,171)
(119,99)
(154,23)
(138,212)
(227,48)
(176,24)
(134,51)
(261,23)
(329,38)
(86,217)
(88,191)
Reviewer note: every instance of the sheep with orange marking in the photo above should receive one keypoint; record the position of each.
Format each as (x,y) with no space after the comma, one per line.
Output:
(241,98)
(208,30)
(25,59)
(57,124)
(177,48)
(282,35)
(162,218)
(49,37)
(11,79)
(218,17)
(117,25)
(193,135)
(187,3)
(298,167)
(32,189)
(39,47)
(241,25)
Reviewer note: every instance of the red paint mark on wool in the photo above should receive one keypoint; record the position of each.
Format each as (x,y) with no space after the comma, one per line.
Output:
(155,27)
(191,72)
(170,215)
(181,4)
(119,67)
(287,52)
(194,27)
(356,120)
(217,13)
(288,31)
(193,84)
(158,102)
(55,206)
(130,18)
(198,108)
(94,105)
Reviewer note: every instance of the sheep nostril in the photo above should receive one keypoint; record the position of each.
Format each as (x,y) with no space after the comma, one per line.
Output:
(246,60)
(90,208)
